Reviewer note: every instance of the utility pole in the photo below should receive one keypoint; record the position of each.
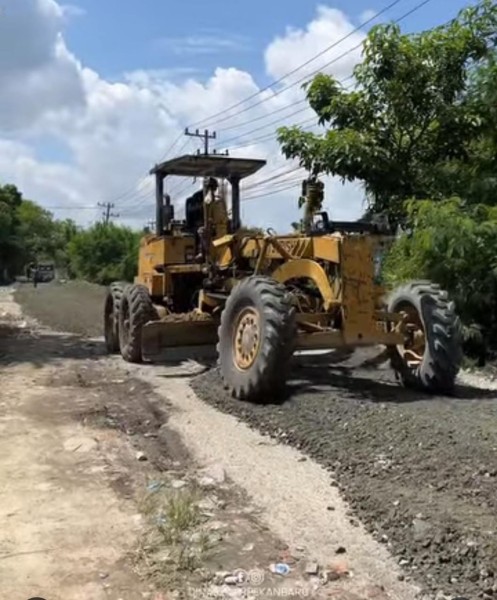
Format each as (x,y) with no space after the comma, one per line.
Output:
(107,214)
(206,136)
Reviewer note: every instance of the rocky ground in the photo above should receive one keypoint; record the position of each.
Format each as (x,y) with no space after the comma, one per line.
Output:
(420,472)
(100,497)
(120,483)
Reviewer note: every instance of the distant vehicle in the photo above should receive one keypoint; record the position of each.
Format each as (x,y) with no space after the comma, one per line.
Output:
(46,272)
(41,272)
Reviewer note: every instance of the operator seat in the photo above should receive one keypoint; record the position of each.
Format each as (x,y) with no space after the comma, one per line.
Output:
(194,211)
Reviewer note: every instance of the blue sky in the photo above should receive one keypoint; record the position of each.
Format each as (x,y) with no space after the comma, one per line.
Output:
(96,91)
(117,36)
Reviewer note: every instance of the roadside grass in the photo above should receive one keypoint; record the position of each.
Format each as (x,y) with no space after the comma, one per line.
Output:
(174,544)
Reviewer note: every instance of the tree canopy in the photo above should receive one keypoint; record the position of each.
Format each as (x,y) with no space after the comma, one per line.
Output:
(417,124)
(31,234)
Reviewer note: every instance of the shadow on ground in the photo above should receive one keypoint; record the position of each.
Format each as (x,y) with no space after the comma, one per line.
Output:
(370,384)
(21,345)
(353,374)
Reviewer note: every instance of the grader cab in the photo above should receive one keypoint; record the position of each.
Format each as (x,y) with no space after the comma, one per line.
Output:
(204,282)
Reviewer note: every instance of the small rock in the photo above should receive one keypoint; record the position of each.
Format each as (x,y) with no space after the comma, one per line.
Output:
(103,575)
(207,504)
(330,508)
(384,538)
(341,550)
(401,577)
(206,482)
(231,580)
(248,548)
(219,577)
(141,456)
(216,473)
(312,568)
(328,576)
(177,484)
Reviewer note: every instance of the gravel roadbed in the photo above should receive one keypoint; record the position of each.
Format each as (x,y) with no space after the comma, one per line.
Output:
(420,472)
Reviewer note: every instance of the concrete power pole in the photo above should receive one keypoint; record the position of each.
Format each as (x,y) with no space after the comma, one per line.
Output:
(107,214)
(205,136)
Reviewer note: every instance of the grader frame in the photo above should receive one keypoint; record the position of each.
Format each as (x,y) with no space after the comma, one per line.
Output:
(259,297)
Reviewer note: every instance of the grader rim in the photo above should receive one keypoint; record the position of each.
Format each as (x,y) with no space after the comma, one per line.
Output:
(246,338)
(414,347)
(437,370)
(264,374)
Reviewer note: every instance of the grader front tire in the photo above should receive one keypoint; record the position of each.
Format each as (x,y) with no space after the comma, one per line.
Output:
(434,365)
(136,309)
(257,337)
(111,316)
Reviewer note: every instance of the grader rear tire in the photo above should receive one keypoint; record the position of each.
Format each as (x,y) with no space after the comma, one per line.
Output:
(257,338)
(111,315)
(433,365)
(136,309)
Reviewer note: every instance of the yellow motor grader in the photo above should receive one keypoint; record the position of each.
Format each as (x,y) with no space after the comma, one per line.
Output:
(205,281)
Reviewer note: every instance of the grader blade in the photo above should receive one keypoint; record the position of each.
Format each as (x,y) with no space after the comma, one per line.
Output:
(167,340)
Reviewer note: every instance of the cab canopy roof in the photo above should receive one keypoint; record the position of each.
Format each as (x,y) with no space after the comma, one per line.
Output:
(211,165)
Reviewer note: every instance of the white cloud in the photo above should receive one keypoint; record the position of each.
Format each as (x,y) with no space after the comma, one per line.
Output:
(72,11)
(37,73)
(203,43)
(368,15)
(115,131)
(298,46)
(57,184)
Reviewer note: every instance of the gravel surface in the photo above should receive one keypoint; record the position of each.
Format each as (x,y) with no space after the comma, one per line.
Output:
(74,306)
(421,472)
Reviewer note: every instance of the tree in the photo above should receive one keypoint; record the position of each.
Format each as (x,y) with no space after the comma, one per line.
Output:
(414,117)
(37,230)
(104,253)
(457,248)
(10,247)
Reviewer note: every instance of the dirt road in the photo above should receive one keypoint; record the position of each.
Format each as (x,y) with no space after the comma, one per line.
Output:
(65,526)
(122,483)
(419,474)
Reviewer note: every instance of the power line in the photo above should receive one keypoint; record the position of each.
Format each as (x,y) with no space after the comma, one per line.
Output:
(269,179)
(70,207)
(263,138)
(273,192)
(272,135)
(313,73)
(312,59)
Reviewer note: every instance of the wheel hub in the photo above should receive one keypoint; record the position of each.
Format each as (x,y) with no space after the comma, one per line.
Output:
(246,338)
(414,346)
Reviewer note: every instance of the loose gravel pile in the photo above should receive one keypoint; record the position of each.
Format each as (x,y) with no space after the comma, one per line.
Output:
(420,472)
